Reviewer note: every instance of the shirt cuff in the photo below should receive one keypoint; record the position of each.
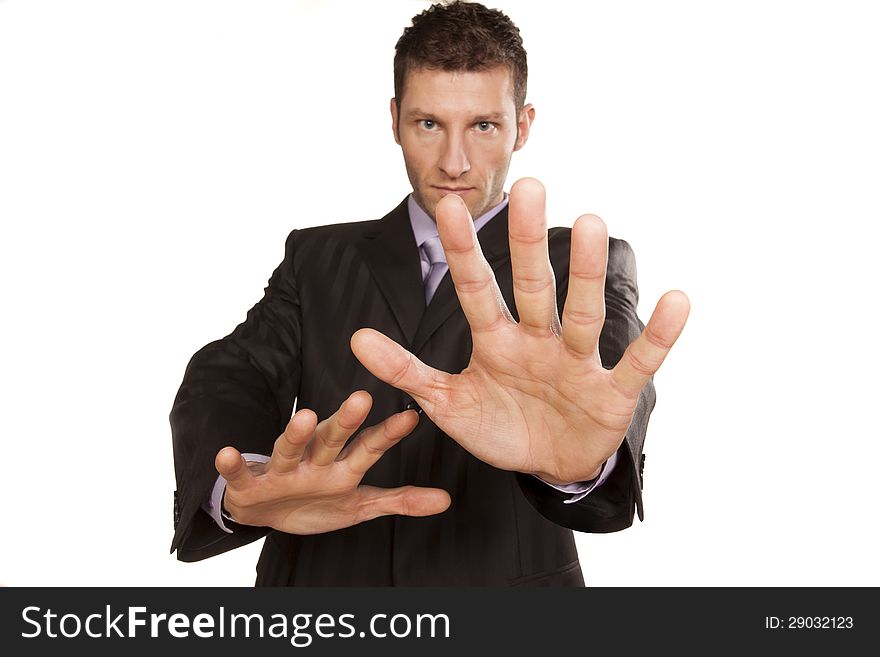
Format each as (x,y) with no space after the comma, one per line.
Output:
(580,489)
(213,504)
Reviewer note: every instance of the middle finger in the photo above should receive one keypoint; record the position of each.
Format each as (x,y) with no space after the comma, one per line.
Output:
(534,285)
(332,433)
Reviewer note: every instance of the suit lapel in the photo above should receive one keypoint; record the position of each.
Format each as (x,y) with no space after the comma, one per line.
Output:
(392,256)
(496,249)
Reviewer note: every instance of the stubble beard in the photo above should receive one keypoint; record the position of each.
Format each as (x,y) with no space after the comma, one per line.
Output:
(486,203)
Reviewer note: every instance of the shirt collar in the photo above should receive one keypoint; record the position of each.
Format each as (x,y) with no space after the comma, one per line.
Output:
(424,227)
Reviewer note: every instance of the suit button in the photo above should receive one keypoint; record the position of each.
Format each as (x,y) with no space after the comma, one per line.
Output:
(176,510)
(412,406)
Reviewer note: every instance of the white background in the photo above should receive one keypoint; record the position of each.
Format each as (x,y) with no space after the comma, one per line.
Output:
(155,154)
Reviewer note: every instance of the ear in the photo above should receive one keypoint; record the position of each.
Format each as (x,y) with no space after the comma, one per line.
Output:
(523,125)
(394,126)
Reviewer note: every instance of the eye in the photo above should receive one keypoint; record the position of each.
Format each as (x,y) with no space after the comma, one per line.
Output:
(485,126)
(428,124)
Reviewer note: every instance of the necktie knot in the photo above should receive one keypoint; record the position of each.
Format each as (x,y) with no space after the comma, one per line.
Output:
(434,250)
(433,273)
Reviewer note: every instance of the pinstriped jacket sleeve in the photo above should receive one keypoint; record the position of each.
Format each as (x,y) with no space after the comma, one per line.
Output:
(237,391)
(609,507)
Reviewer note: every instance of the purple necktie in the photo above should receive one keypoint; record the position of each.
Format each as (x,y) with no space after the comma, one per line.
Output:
(437,266)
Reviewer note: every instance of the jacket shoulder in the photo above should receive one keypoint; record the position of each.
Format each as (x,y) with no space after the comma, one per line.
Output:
(620,253)
(340,231)
(350,230)
(308,247)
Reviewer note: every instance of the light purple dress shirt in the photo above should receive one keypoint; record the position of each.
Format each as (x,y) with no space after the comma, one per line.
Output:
(423,228)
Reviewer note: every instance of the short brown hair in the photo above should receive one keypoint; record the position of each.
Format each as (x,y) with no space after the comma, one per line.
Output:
(461,36)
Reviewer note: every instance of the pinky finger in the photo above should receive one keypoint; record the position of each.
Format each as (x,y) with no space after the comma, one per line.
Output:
(232,467)
(645,355)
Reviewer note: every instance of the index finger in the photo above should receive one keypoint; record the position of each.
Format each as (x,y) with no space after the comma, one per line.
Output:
(371,443)
(474,280)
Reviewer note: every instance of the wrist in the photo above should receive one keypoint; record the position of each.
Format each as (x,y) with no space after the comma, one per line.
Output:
(569,479)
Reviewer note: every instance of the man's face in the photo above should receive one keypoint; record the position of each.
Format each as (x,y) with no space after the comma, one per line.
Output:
(458,131)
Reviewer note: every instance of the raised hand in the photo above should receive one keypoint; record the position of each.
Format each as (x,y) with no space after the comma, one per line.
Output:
(534,397)
(311,484)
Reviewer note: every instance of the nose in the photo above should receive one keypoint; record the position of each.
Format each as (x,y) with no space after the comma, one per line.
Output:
(454,160)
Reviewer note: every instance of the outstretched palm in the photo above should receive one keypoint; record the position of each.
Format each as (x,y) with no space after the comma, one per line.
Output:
(534,397)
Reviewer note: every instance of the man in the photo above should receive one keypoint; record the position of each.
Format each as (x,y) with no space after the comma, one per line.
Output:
(472,478)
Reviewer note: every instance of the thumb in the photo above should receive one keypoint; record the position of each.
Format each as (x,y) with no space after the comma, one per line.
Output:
(404,501)
(396,366)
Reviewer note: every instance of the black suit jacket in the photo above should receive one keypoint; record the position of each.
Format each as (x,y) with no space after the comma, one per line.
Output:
(502,529)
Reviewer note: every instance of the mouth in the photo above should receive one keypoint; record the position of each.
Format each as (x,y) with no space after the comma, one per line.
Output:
(452,190)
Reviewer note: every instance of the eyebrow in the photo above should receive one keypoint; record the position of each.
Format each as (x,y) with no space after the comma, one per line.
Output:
(487,116)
